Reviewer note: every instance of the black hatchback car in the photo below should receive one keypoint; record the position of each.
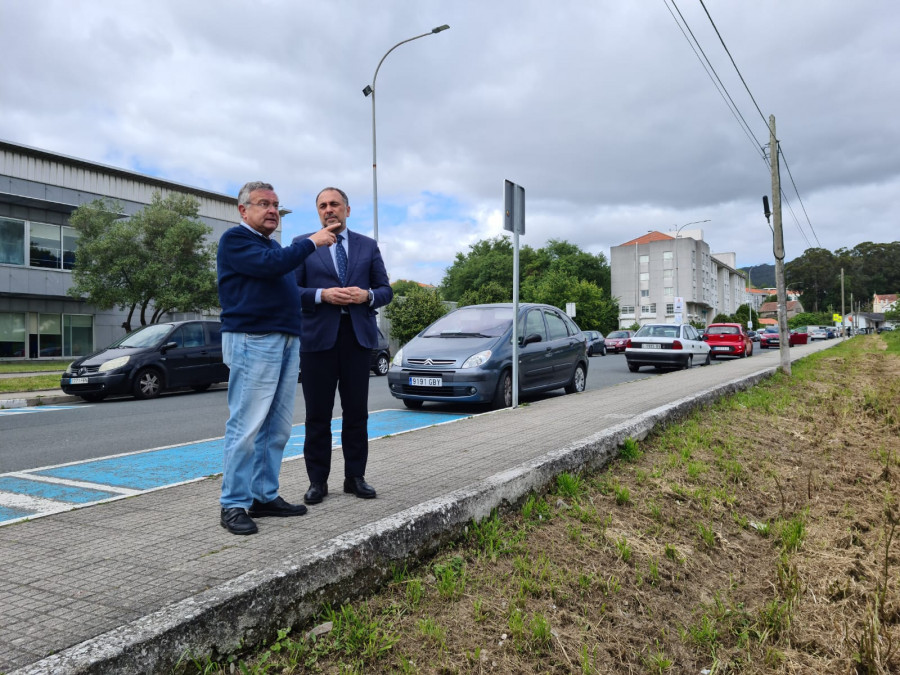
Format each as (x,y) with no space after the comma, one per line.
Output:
(149,360)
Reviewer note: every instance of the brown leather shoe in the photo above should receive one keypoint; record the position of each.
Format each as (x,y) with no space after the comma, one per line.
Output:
(236,521)
(277,507)
(359,487)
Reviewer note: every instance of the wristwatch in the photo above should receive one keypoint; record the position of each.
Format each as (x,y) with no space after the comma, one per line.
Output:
(371,296)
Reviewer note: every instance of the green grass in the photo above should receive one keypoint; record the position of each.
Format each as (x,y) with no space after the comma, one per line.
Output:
(11,385)
(33,366)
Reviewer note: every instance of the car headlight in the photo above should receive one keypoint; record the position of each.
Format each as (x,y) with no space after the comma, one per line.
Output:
(477,359)
(69,369)
(113,364)
(398,358)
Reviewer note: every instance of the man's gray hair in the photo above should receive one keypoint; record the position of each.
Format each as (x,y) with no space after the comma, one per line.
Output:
(338,190)
(244,194)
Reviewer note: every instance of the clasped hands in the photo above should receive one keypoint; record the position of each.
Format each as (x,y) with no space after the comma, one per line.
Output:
(351,295)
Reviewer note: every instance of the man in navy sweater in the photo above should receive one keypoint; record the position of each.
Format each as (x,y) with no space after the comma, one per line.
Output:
(260,345)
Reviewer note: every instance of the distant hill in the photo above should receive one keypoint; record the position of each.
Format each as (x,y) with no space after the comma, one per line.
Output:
(761,276)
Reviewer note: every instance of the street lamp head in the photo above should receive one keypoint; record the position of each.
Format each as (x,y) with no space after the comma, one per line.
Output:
(440,28)
(368,90)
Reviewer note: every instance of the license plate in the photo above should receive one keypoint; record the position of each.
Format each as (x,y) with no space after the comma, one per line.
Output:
(721,349)
(426,382)
(78,380)
(651,345)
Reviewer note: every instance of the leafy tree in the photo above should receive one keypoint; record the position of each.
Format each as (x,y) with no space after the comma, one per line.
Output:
(816,274)
(593,311)
(157,260)
(490,292)
(722,318)
(810,319)
(403,287)
(411,314)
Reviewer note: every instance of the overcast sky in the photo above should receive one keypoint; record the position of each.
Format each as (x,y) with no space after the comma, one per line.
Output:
(600,109)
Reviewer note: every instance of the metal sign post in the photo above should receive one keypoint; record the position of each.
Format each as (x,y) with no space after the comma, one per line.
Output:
(514,221)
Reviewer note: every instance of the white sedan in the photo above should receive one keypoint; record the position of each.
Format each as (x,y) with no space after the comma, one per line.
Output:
(666,345)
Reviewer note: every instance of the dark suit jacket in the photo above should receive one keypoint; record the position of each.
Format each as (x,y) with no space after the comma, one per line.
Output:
(365,269)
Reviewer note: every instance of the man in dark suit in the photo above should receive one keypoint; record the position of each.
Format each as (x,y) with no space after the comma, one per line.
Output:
(340,288)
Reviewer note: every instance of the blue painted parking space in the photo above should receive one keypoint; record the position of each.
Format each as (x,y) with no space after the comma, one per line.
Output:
(39,492)
(35,409)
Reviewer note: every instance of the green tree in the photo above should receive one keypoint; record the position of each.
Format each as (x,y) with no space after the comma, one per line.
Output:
(483,295)
(409,315)
(722,318)
(810,319)
(157,261)
(557,288)
(403,287)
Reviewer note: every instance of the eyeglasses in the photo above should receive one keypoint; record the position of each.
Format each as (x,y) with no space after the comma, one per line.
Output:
(265,205)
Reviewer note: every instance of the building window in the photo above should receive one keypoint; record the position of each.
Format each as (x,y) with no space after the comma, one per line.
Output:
(669,291)
(668,275)
(12,241)
(49,337)
(670,308)
(52,246)
(648,309)
(644,259)
(645,276)
(667,255)
(78,334)
(12,335)
(626,309)
(645,293)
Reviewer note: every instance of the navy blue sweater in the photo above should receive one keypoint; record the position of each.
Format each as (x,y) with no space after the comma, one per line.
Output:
(257,289)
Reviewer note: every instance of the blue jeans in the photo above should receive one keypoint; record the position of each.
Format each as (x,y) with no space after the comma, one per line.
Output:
(261,388)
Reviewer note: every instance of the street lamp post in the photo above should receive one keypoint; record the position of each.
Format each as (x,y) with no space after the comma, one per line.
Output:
(370,89)
(677,232)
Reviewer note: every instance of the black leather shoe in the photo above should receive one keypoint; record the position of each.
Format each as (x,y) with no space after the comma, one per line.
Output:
(277,507)
(236,521)
(316,493)
(359,487)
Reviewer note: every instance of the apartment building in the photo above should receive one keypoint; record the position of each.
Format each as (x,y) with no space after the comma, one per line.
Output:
(670,277)
(39,190)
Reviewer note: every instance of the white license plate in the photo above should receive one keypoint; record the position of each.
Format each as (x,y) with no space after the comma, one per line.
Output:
(720,349)
(78,380)
(426,382)
(651,345)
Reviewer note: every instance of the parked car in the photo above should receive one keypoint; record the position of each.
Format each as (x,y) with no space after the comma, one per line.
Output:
(799,336)
(817,333)
(728,339)
(150,360)
(466,356)
(753,335)
(380,360)
(666,345)
(596,343)
(770,338)
(617,340)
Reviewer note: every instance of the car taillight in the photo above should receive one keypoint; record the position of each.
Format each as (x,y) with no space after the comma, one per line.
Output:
(627,343)
(676,344)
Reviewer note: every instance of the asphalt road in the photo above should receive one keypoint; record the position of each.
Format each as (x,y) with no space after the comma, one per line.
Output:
(91,430)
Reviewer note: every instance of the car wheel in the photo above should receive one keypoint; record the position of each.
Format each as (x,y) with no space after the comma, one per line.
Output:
(201,387)
(590,351)
(707,362)
(578,379)
(689,362)
(633,367)
(603,353)
(381,365)
(503,395)
(412,404)
(147,384)
(93,398)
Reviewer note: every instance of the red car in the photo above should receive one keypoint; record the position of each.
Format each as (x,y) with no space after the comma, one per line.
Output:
(617,340)
(728,339)
(769,338)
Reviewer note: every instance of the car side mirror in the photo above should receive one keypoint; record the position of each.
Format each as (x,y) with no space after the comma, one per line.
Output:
(529,339)
(169,345)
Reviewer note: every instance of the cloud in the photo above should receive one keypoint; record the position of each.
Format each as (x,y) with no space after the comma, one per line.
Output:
(602,111)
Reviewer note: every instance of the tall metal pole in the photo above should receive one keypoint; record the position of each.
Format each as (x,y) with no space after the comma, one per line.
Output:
(843,328)
(778,250)
(370,90)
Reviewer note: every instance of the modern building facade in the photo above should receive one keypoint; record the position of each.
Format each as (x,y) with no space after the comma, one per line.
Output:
(651,272)
(38,192)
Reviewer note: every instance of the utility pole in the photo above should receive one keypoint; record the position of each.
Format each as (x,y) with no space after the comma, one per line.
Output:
(778,250)
(843,329)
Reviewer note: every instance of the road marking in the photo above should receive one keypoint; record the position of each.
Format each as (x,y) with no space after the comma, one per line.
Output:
(37,409)
(51,489)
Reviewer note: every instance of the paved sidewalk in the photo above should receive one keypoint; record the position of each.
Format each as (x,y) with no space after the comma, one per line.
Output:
(130,586)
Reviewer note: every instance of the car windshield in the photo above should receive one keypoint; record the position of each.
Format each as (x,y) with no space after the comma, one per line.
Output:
(617,334)
(148,336)
(722,330)
(472,322)
(655,330)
